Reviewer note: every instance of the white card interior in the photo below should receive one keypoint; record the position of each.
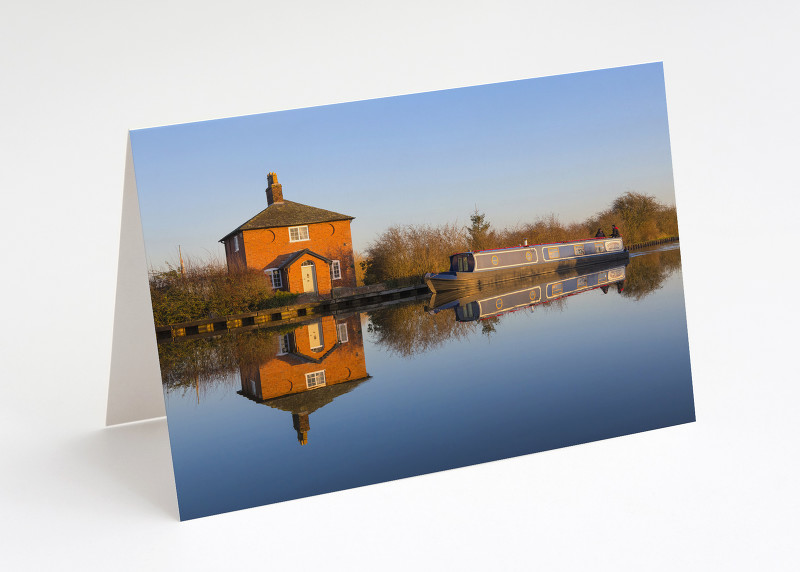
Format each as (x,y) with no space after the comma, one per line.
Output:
(134,390)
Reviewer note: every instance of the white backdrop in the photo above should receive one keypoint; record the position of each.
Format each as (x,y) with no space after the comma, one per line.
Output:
(717,494)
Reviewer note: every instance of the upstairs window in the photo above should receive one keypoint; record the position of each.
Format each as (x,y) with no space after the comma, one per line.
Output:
(336,270)
(298,233)
(236,243)
(341,331)
(315,379)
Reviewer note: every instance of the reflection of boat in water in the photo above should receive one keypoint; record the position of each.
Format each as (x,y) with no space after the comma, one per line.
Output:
(499,298)
(482,268)
(310,367)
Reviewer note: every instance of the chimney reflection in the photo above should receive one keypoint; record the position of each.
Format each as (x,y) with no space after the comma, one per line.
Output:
(310,367)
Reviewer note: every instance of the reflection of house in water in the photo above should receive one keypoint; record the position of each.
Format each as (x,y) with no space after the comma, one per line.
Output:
(311,366)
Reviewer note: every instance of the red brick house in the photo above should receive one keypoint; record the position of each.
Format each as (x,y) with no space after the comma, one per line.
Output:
(311,366)
(299,248)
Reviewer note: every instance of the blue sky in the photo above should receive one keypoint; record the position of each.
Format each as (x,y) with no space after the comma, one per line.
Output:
(518,150)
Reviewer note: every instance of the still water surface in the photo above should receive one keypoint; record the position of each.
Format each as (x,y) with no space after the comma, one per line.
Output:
(404,391)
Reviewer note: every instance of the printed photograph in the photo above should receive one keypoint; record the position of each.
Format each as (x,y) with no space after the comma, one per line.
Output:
(355,293)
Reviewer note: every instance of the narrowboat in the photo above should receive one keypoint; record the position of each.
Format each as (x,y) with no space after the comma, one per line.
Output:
(503,297)
(485,267)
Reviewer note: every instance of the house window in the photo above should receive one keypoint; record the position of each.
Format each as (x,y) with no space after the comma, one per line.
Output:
(341,331)
(236,243)
(284,345)
(297,233)
(274,275)
(315,379)
(336,270)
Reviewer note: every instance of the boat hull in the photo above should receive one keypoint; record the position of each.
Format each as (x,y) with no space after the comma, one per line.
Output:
(446,281)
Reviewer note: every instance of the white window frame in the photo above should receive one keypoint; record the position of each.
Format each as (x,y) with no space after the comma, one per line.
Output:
(284,345)
(271,274)
(315,379)
(341,333)
(336,270)
(236,243)
(299,230)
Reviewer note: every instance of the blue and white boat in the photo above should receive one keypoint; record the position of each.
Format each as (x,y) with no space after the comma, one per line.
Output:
(485,267)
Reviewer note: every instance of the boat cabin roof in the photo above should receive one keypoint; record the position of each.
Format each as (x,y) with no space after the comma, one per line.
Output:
(517,247)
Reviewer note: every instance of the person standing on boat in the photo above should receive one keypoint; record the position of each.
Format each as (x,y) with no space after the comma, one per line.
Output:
(614,231)
(600,233)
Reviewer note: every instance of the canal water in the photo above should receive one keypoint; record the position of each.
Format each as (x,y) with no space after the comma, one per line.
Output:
(351,400)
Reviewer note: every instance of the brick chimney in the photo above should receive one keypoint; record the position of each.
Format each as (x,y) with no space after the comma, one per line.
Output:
(302,426)
(274,189)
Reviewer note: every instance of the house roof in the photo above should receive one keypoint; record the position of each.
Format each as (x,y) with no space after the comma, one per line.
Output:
(320,359)
(288,213)
(310,401)
(285,260)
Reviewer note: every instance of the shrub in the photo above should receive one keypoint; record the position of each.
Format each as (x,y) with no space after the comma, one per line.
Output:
(208,291)
(403,254)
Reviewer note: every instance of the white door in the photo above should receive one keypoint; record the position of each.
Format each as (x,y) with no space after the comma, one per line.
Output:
(309,276)
(314,336)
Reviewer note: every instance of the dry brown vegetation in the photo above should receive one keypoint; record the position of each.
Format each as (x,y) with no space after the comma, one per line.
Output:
(207,362)
(403,254)
(646,274)
(208,290)
(407,330)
